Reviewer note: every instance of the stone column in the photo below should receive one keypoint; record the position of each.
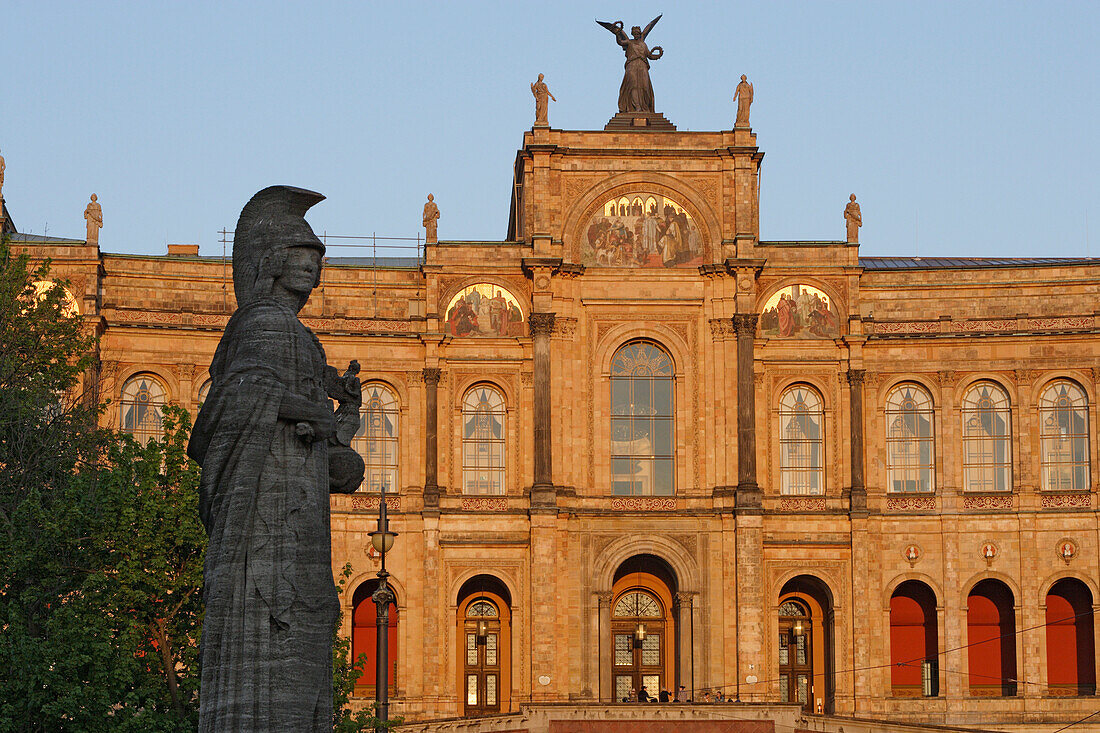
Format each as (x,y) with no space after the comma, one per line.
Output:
(431,431)
(858,495)
(606,647)
(748,492)
(683,608)
(542,488)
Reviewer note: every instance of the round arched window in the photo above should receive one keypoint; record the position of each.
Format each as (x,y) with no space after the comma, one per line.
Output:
(376,440)
(910,445)
(642,428)
(801,441)
(1064,429)
(483,441)
(141,403)
(987,439)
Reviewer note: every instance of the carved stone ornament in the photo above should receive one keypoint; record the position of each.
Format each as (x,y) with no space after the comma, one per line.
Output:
(912,554)
(431,375)
(1067,549)
(856,377)
(541,324)
(989,552)
(745,324)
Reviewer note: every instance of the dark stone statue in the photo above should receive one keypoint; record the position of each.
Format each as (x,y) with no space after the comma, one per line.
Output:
(271,450)
(636,91)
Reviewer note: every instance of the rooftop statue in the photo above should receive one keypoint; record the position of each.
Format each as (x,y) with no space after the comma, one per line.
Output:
(431,221)
(636,91)
(743,96)
(542,95)
(853,219)
(93,213)
(271,450)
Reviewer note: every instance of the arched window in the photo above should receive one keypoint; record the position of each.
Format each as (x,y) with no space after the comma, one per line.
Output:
(1064,431)
(991,640)
(204,392)
(801,441)
(141,407)
(641,421)
(910,446)
(914,641)
(364,638)
(987,438)
(483,441)
(1071,646)
(376,440)
(637,630)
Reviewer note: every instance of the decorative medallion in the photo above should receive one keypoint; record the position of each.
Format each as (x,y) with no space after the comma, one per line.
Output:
(642,229)
(1067,549)
(989,551)
(799,311)
(912,554)
(485,309)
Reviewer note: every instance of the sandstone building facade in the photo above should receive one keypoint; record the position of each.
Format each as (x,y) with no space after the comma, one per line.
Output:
(635,444)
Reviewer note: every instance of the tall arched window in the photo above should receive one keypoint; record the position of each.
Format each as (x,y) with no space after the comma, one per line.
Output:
(1064,430)
(801,441)
(987,438)
(991,640)
(641,421)
(204,392)
(376,440)
(364,639)
(483,441)
(910,445)
(141,407)
(914,641)
(1071,646)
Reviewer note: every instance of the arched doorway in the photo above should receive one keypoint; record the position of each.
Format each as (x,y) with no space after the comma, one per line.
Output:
(1071,646)
(364,639)
(484,633)
(914,641)
(805,652)
(991,640)
(643,628)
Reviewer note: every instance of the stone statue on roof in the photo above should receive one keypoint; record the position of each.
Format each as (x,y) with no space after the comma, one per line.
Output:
(93,213)
(636,91)
(271,451)
(743,97)
(853,218)
(431,218)
(542,96)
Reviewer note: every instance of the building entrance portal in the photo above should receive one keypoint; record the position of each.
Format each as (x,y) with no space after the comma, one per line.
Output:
(805,656)
(643,629)
(484,631)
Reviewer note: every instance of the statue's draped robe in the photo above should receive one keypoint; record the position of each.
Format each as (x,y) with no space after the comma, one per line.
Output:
(271,603)
(636,91)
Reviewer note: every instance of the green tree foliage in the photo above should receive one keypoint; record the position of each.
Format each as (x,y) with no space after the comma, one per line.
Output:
(100,544)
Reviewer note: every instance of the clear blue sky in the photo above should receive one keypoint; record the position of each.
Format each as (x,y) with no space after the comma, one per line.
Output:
(965,128)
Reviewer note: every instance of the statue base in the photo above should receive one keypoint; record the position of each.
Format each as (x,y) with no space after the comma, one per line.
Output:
(639,121)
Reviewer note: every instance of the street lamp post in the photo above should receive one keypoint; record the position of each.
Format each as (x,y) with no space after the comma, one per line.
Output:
(383,597)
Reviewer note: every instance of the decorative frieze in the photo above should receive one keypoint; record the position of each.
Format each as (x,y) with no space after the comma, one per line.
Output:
(911,503)
(987,502)
(369,503)
(802,504)
(983,325)
(643,503)
(1065,501)
(484,504)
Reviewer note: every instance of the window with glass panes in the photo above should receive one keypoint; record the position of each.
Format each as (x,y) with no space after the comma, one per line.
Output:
(987,438)
(483,441)
(642,428)
(910,445)
(801,441)
(376,440)
(1064,434)
(141,406)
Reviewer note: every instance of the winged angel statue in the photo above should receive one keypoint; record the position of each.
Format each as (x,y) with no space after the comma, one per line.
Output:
(636,92)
